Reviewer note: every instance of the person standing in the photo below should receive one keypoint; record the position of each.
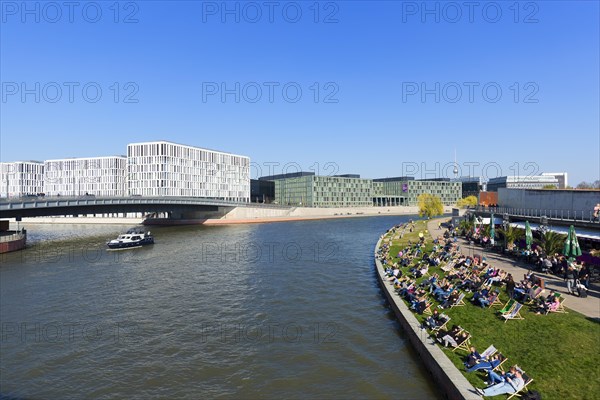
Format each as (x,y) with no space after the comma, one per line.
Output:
(584,275)
(510,286)
(570,278)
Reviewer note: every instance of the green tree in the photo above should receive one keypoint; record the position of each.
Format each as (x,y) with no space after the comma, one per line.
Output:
(549,186)
(469,201)
(429,205)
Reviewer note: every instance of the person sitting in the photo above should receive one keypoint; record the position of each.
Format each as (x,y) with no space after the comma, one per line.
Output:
(481,297)
(454,339)
(489,364)
(551,303)
(473,358)
(511,382)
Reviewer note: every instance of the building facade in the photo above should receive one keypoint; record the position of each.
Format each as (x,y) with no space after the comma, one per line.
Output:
(98,176)
(164,168)
(324,191)
(408,189)
(562,177)
(522,182)
(471,185)
(21,178)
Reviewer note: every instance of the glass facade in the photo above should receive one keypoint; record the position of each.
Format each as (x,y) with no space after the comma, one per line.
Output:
(331,191)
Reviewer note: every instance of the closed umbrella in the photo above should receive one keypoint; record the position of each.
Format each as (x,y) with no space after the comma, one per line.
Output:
(492,230)
(571,248)
(528,235)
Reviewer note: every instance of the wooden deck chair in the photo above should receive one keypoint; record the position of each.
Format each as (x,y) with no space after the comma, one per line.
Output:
(459,301)
(508,306)
(442,326)
(465,345)
(427,310)
(502,359)
(527,379)
(495,300)
(535,292)
(514,313)
(561,307)
(490,351)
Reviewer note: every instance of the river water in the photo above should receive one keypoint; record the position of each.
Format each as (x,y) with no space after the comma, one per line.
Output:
(281,310)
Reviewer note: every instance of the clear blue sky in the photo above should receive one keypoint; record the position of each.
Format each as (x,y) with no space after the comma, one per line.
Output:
(374,58)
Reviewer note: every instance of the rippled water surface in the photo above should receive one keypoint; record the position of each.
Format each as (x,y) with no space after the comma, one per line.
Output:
(282,310)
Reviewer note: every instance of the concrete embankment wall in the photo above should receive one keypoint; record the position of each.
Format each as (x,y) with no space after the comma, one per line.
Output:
(567,201)
(449,379)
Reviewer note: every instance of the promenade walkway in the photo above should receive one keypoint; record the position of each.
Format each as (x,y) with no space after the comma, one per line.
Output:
(589,306)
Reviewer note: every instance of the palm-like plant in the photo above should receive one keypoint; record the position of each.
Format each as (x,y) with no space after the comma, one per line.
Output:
(511,235)
(466,225)
(551,242)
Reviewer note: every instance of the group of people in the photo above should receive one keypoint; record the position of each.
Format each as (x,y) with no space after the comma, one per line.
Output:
(464,273)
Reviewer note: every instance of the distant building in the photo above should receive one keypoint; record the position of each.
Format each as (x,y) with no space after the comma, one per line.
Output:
(309,190)
(98,176)
(164,168)
(521,182)
(562,178)
(408,190)
(262,191)
(21,178)
(471,185)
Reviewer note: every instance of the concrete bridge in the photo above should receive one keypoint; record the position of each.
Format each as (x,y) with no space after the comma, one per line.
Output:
(174,207)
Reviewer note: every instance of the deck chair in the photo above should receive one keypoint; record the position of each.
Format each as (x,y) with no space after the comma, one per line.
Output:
(490,351)
(527,379)
(427,310)
(535,293)
(442,326)
(459,301)
(508,306)
(495,300)
(502,359)
(465,345)
(514,313)
(561,307)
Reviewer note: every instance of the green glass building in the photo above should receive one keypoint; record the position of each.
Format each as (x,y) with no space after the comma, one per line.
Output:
(309,190)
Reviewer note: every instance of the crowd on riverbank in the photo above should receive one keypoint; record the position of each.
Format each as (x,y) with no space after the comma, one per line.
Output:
(434,278)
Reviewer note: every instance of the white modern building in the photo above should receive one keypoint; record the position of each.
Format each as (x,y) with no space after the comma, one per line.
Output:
(164,168)
(21,178)
(562,177)
(98,176)
(522,182)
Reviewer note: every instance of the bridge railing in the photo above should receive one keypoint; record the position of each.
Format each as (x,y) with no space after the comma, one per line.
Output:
(563,215)
(67,201)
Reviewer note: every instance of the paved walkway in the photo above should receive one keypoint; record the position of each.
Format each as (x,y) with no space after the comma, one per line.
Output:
(589,306)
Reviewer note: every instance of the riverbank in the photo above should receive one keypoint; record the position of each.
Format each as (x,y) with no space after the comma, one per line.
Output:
(241,215)
(448,378)
(557,350)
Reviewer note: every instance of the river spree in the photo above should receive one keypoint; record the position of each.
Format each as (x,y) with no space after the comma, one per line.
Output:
(282,310)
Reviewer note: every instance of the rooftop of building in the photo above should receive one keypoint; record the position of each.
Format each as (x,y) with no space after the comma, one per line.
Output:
(185,145)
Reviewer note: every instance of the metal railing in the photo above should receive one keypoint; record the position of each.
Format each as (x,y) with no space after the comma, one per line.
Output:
(10,238)
(563,215)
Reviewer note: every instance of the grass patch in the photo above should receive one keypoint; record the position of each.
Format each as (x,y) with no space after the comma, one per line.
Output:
(559,351)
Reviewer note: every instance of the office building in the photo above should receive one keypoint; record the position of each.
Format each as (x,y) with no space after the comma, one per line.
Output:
(98,176)
(21,178)
(164,168)
(522,182)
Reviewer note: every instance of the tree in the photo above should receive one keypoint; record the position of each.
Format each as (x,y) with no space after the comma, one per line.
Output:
(549,186)
(551,242)
(469,201)
(511,235)
(429,205)
(588,185)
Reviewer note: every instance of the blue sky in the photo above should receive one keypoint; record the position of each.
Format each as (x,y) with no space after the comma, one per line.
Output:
(400,85)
